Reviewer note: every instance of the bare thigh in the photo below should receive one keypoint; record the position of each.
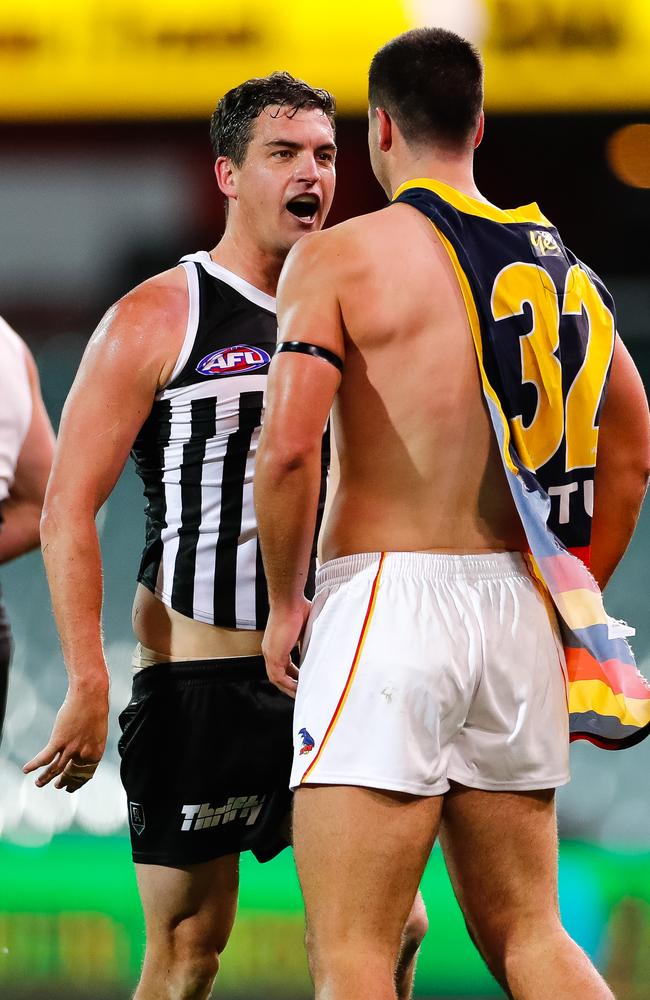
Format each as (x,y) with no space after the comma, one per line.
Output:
(189,909)
(360,855)
(501,853)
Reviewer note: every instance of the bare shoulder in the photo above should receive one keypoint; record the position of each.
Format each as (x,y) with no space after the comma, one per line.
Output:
(151,320)
(336,252)
(159,303)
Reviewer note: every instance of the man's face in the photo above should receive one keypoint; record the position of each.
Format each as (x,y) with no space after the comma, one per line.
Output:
(285,186)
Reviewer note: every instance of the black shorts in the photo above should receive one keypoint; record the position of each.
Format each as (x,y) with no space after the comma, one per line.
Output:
(206,756)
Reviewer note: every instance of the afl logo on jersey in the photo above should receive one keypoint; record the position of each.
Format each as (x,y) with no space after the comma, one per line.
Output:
(233,360)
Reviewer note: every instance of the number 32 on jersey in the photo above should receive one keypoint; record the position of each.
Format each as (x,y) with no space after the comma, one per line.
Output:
(555,419)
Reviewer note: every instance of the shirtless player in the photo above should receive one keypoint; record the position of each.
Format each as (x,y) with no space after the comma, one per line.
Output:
(431,684)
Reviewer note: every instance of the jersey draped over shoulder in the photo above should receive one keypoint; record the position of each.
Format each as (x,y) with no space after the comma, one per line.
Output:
(195,454)
(544,326)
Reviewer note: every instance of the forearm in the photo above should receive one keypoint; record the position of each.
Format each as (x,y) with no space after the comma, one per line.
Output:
(72,560)
(616,512)
(286,502)
(19,532)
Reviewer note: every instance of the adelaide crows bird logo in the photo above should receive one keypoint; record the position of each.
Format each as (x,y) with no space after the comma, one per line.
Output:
(307,741)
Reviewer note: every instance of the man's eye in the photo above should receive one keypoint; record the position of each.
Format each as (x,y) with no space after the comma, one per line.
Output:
(328,157)
(282,154)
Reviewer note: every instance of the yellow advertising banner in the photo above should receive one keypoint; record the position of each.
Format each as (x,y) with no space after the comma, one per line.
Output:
(164,58)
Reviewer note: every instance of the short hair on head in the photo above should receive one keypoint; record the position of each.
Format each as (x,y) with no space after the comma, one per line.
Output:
(430,81)
(231,124)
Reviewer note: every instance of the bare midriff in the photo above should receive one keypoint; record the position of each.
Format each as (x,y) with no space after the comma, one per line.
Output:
(419,464)
(163,630)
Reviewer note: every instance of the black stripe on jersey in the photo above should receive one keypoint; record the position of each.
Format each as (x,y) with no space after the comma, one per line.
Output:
(232,499)
(149,455)
(261,592)
(203,420)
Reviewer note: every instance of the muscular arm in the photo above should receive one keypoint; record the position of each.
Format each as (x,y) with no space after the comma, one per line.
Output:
(21,511)
(288,467)
(623,465)
(130,354)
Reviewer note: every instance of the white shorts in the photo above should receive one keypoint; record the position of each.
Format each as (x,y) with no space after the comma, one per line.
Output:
(419,668)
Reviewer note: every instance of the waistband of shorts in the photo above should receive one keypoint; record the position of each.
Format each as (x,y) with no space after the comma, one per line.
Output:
(222,671)
(425,566)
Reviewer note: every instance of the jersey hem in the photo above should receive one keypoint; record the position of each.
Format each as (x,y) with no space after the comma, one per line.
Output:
(196,615)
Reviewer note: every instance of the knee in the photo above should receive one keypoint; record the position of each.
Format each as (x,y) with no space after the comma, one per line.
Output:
(348,957)
(196,972)
(191,964)
(506,940)
(415,928)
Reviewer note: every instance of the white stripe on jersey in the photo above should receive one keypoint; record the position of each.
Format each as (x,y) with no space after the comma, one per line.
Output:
(247,546)
(192,320)
(173,502)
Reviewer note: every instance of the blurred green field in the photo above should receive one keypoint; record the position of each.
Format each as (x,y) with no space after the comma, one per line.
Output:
(71,926)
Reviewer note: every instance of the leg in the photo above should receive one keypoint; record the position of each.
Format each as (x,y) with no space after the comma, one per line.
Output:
(6,647)
(501,853)
(413,934)
(189,913)
(360,855)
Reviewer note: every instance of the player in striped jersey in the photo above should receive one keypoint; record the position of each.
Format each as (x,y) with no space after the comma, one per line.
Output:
(176,373)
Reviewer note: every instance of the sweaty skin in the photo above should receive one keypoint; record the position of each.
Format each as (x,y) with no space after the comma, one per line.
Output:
(410,408)
(419,464)
(288,156)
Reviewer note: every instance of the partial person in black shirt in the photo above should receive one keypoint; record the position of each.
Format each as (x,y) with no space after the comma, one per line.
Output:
(176,373)
(26,447)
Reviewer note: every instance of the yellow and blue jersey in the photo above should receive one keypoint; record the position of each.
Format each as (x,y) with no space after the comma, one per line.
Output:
(544,327)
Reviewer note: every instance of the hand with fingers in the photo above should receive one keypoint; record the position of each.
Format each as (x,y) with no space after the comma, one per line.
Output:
(77,742)
(283,633)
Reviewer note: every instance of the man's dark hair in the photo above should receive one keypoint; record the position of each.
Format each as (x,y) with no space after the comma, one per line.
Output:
(231,124)
(430,81)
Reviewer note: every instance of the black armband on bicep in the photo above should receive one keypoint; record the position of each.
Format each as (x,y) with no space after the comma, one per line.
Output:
(316,352)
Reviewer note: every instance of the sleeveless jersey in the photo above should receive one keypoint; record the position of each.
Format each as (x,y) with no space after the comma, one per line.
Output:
(195,454)
(543,325)
(15,404)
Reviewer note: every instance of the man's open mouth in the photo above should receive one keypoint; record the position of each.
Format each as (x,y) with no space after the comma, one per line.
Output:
(304,207)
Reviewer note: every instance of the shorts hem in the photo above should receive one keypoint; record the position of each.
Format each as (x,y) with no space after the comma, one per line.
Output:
(518,785)
(262,853)
(360,781)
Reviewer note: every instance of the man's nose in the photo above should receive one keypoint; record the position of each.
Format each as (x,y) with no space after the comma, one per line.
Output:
(307,168)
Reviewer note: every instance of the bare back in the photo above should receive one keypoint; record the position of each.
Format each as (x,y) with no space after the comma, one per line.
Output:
(419,463)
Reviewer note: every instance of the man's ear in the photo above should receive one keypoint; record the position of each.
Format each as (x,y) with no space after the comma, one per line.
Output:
(480,130)
(385,124)
(226,175)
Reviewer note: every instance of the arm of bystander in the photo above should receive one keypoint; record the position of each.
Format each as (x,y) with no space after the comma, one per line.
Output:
(21,511)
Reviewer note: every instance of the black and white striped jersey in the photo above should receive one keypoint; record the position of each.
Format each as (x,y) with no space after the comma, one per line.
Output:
(195,454)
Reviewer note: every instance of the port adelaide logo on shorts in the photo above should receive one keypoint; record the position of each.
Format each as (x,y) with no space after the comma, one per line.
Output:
(136,815)
(233,360)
